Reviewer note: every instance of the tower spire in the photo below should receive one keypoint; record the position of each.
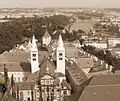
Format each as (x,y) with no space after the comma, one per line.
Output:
(60,56)
(34,45)
(60,41)
(34,56)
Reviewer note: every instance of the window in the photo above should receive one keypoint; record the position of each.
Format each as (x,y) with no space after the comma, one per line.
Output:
(52,90)
(47,89)
(43,90)
(65,92)
(60,54)
(60,58)
(21,95)
(28,99)
(47,82)
(34,55)
(42,82)
(34,59)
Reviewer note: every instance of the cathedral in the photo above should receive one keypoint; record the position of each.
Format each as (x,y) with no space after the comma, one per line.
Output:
(44,79)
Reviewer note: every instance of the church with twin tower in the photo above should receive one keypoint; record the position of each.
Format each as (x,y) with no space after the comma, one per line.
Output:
(51,75)
(60,56)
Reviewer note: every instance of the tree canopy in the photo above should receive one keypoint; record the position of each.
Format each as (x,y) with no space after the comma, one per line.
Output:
(17,30)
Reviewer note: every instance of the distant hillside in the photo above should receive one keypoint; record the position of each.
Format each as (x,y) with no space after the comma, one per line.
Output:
(17,30)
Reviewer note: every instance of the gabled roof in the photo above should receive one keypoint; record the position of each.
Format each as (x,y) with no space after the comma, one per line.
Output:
(47,67)
(46,35)
(75,74)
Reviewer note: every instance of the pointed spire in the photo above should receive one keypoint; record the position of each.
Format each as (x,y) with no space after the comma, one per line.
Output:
(34,45)
(60,41)
(46,35)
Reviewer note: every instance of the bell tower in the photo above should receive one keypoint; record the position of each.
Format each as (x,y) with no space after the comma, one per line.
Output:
(60,52)
(34,56)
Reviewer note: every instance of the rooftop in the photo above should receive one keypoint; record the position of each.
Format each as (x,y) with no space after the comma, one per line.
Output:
(101,93)
(23,56)
(15,66)
(46,35)
(76,74)
(84,62)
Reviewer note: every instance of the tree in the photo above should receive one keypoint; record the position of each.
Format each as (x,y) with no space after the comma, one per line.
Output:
(17,92)
(13,87)
(6,77)
(32,94)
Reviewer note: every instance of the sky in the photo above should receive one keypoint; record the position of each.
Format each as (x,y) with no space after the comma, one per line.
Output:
(59,3)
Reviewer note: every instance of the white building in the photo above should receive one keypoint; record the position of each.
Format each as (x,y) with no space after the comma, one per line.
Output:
(112,42)
(101,44)
(60,52)
(46,38)
(34,56)
(15,69)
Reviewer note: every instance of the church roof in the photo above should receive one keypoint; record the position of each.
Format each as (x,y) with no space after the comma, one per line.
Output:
(34,78)
(60,42)
(46,35)
(34,44)
(47,67)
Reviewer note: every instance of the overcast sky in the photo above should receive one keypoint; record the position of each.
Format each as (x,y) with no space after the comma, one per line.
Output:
(60,3)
